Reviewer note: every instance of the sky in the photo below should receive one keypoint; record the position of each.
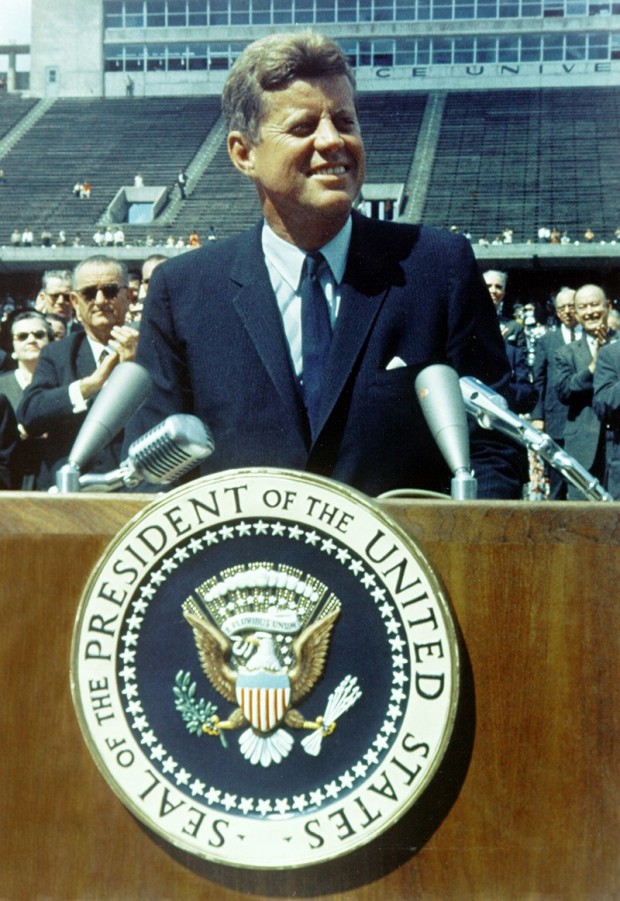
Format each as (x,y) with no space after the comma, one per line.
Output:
(14,21)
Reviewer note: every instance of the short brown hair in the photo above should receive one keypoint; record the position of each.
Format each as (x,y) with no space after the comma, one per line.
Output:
(270,64)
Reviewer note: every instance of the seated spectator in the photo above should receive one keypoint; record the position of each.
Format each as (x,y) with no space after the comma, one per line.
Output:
(27,237)
(71,372)
(16,238)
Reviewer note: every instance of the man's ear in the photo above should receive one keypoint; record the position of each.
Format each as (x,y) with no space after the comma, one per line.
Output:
(241,152)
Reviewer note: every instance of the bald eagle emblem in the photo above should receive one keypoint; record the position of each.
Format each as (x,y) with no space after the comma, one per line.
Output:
(263,634)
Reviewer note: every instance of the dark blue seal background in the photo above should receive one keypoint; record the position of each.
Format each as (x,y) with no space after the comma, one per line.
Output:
(359,646)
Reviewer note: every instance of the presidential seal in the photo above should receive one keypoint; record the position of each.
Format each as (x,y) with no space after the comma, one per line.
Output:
(265,669)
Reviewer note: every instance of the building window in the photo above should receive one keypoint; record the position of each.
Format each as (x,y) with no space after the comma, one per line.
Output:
(197,57)
(134,14)
(155,58)
(113,15)
(156,14)
(196,13)
(218,12)
(325,11)
(134,58)
(240,12)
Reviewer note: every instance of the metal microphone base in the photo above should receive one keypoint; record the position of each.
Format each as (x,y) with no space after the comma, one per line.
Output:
(464,486)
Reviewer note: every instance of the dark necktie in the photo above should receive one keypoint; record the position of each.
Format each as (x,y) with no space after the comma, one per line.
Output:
(316,336)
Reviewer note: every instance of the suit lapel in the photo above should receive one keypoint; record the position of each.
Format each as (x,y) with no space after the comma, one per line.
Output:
(83,363)
(256,305)
(363,290)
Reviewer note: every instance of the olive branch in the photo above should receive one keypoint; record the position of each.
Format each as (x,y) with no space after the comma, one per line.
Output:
(195,713)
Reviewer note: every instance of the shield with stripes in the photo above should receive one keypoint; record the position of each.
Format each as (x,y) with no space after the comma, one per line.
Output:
(264,698)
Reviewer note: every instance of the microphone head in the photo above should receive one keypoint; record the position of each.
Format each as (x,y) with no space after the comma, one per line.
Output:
(170,449)
(439,394)
(126,389)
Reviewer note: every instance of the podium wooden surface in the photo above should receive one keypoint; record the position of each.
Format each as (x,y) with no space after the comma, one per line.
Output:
(535,591)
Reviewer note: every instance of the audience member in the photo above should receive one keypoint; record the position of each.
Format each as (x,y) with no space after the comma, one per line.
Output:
(55,295)
(58,325)
(30,333)
(549,414)
(575,364)
(512,331)
(182,183)
(27,237)
(71,372)
(222,330)
(9,441)
(606,402)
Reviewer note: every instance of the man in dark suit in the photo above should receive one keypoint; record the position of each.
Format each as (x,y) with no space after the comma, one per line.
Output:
(71,372)
(584,434)
(549,414)
(9,443)
(512,331)
(310,364)
(606,402)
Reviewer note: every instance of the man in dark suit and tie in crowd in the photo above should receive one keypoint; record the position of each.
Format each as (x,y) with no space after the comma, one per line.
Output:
(549,414)
(575,363)
(606,402)
(71,372)
(308,361)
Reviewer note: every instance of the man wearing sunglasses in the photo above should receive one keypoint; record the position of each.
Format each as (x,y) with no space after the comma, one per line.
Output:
(71,372)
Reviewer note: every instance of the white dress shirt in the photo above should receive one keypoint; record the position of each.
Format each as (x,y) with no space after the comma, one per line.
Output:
(284,264)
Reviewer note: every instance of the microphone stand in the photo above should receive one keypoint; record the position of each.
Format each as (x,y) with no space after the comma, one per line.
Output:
(492,412)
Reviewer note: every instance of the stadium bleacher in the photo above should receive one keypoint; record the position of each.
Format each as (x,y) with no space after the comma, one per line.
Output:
(527,158)
(510,158)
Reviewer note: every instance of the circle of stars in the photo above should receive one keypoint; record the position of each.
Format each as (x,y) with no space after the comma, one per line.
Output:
(262,807)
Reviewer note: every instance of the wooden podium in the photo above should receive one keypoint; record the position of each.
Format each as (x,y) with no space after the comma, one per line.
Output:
(535,590)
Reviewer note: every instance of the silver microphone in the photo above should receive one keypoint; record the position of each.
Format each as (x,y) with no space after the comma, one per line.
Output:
(439,394)
(163,454)
(491,411)
(170,449)
(124,392)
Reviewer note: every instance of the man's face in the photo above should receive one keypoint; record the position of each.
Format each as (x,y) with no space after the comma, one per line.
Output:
(591,308)
(29,336)
(55,297)
(100,299)
(309,164)
(565,308)
(497,287)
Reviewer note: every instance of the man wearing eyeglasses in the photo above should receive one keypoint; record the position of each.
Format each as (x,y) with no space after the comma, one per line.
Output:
(55,295)
(71,372)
